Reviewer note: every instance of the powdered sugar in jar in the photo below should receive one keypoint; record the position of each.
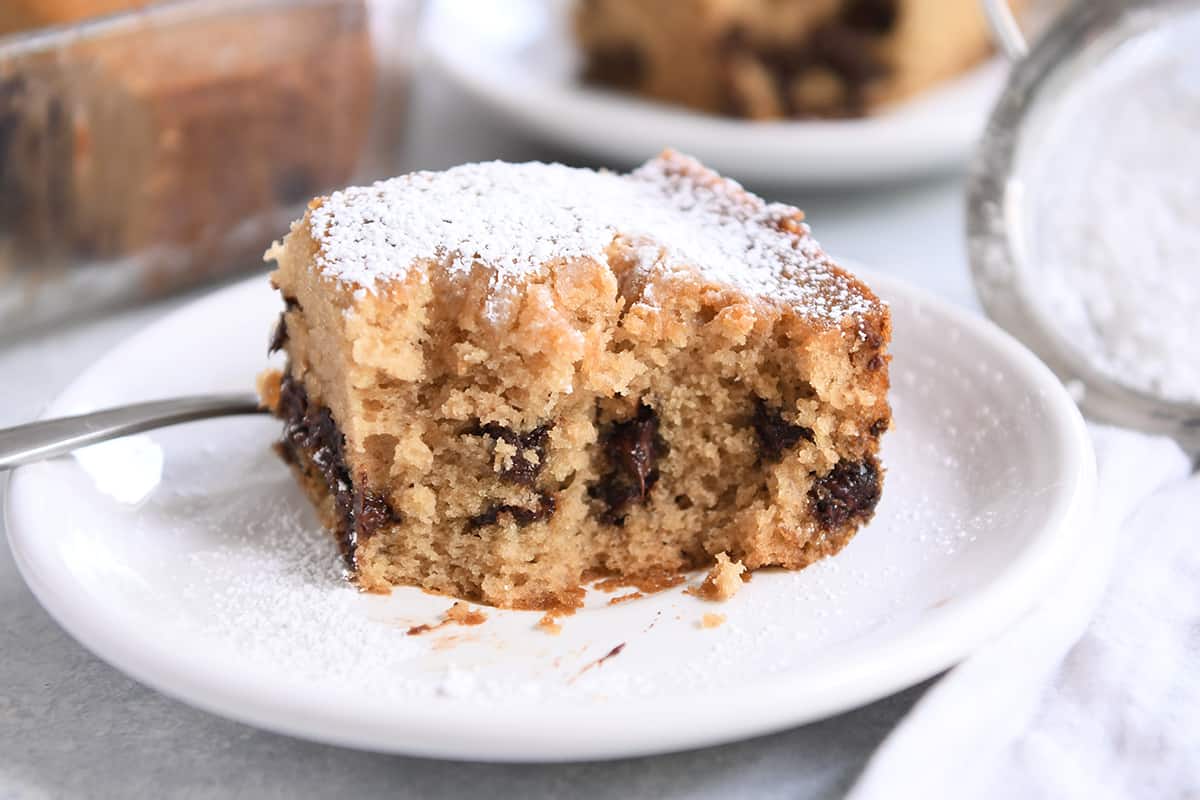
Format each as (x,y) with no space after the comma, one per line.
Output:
(1084,217)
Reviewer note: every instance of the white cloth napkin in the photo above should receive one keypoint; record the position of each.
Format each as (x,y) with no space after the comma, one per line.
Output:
(1096,692)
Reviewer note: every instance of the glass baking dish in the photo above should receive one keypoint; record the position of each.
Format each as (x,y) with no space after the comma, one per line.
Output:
(150,150)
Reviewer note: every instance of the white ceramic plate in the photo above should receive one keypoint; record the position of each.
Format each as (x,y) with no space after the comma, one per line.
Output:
(517,57)
(188,559)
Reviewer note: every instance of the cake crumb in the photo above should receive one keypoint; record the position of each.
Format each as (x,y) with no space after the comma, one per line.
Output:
(267,383)
(625,598)
(462,614)
(723,580)
(550,625)
(458,614)
(645,582)
(712,620)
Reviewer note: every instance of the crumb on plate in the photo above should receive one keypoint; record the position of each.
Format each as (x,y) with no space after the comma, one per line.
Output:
(723,580)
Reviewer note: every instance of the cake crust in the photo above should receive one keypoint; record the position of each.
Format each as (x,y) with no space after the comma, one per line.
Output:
(503,377)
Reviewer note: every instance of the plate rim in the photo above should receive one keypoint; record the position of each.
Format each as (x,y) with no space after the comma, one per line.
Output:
(617,729)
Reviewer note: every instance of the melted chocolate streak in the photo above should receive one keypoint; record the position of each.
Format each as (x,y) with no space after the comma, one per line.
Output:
(633,447)
(521,515)
(310,431)
(850,491)
(521,472)
(280,337)
(599,662)
(775,434)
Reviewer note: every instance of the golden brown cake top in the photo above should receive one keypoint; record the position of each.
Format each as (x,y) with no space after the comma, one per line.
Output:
(513,219)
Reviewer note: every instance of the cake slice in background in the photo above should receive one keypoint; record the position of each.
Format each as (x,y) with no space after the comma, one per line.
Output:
(771,59)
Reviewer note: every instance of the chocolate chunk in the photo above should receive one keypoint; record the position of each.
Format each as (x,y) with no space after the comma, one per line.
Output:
(362,514)
(775,434)
(279,337)
(521,515)
(520,470)
(871,16)
(371,512)
(848,492)
(618,495)
(631,445)
(622,67)
(312,439)
(847,52)
(878,427)
(876,363)
(839,46)
(293,404)
(632,448)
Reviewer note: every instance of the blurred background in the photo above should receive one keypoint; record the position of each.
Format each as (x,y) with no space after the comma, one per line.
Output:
(152,150)
(150,147)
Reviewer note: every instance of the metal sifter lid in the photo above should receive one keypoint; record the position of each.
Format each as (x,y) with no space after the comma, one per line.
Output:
(1083,215)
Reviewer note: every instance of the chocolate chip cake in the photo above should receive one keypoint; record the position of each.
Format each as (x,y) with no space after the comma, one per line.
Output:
(769,59)
(503,378)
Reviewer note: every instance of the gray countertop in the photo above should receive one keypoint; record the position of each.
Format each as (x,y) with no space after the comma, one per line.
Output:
(71,726)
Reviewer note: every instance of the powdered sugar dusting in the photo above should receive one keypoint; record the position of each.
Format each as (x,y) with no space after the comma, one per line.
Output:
(275,591)
(267,581)
(224,558)
(514,218)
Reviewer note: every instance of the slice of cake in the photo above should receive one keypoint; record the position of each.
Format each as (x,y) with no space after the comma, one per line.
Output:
(503,378)
(768,59)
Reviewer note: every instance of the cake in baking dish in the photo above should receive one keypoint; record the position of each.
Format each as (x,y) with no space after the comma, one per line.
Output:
(770,59)
(503,378)
(178,135)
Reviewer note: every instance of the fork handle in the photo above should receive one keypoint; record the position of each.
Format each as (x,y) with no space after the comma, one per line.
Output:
(25,444)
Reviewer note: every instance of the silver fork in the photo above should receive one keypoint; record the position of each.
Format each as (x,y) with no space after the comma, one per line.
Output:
(25,444)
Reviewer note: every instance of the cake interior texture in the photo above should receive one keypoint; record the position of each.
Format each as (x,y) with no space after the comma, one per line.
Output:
(503,379)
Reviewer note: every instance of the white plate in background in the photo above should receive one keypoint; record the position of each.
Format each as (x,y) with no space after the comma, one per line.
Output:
(188,558)
(517,57)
